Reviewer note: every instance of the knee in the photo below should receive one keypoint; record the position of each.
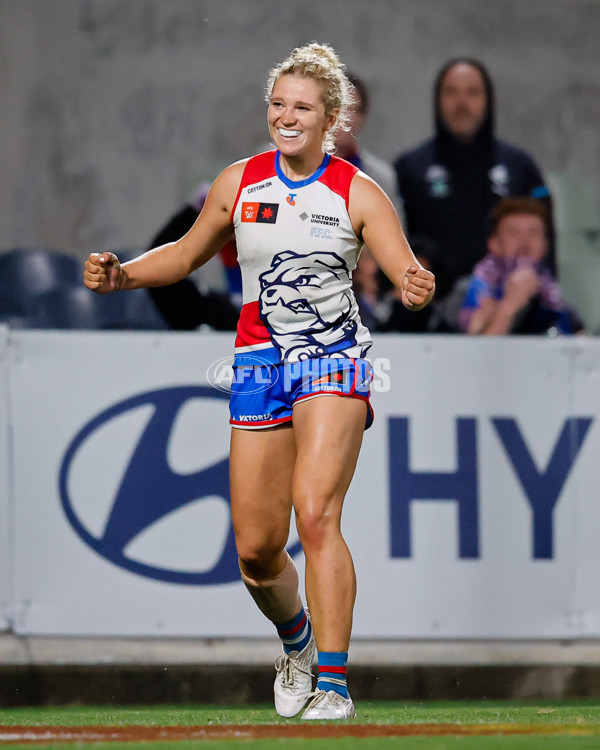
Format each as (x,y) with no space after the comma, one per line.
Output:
(257,556)
(316,524)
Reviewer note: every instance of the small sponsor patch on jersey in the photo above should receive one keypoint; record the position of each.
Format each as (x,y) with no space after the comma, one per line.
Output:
(260,213)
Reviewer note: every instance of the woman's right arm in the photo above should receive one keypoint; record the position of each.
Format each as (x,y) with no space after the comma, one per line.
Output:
(174,261)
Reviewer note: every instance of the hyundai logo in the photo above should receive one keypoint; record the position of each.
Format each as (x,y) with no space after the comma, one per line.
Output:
(116,501)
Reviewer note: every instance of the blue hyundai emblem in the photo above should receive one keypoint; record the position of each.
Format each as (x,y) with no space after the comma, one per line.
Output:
(149,490)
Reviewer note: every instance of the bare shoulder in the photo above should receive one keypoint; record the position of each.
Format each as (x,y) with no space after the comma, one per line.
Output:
(231,176)
(366,198)
(364,189)
(362,179)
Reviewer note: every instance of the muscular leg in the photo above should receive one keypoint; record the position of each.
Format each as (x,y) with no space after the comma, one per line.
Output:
(329,432)
(261,470)
(262,467)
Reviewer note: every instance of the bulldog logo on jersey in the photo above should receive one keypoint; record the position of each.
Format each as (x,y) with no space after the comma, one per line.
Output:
(306,304)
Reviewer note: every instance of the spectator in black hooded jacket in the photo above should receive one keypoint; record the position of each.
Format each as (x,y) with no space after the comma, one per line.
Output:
(450,183)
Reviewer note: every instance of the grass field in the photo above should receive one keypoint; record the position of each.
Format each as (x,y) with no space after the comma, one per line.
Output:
(512,726)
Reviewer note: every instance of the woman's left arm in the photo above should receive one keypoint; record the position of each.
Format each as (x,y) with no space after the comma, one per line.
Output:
(376,222)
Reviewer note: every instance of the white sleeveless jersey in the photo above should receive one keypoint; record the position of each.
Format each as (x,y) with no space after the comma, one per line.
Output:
(296,250)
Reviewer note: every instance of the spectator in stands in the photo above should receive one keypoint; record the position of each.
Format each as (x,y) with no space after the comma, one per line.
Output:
(450,183)
(512,289)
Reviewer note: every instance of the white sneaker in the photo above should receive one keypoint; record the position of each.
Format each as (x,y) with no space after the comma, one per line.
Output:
(293,683)
(327,704)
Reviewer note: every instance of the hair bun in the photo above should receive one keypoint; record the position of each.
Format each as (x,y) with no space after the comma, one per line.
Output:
(322,50)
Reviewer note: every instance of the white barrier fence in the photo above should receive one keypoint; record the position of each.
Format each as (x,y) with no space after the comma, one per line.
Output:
(5,505)
(473,512)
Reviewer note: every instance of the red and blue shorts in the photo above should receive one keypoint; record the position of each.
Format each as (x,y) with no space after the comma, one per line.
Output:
(263,394)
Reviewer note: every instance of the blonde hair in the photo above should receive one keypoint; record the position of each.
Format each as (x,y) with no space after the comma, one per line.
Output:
(320,63)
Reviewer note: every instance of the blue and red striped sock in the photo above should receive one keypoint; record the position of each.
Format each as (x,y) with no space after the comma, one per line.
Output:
(296,633)
(332,672)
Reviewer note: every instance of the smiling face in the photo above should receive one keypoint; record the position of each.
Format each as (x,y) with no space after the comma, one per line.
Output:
(463,101)
(296,117)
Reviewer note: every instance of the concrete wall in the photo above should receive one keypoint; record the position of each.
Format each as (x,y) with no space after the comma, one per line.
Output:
(112,110)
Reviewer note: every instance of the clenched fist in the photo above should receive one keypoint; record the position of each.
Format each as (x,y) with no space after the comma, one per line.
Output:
(103,273)
(418,287)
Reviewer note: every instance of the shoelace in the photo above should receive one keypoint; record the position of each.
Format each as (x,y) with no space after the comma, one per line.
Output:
(287,665)
(315,698)
(320,696)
